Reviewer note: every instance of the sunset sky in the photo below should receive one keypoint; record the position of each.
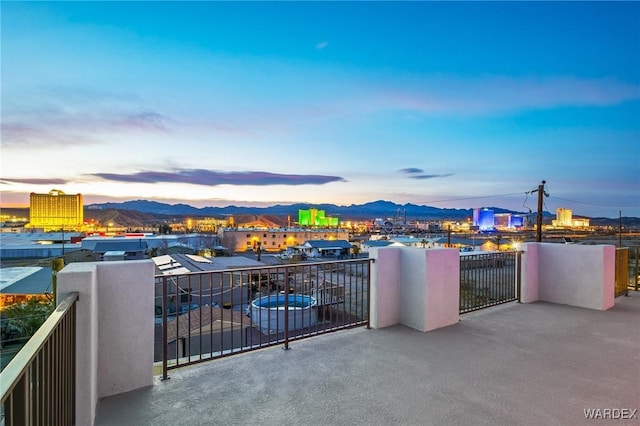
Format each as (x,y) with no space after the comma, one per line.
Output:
(447,104)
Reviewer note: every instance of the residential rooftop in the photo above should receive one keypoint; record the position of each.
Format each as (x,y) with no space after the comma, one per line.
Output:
(519,364)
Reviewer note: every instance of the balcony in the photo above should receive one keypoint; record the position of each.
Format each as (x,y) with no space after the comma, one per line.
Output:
(538,364)
(570,347)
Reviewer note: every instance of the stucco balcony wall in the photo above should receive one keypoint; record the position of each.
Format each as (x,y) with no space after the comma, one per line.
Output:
(415,287)
(569,274)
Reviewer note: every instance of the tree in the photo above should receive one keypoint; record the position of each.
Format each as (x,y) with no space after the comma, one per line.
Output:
(229,242)
(208,240)
(29,316)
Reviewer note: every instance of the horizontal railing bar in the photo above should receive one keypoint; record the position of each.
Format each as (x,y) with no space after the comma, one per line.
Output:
(12,373)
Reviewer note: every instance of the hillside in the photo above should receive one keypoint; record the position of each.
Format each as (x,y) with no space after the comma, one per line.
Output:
(269,220)
(126,218)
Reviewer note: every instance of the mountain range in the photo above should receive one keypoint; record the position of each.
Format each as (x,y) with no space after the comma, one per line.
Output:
(367,211)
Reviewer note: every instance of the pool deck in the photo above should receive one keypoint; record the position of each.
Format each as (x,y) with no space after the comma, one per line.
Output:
(515,364)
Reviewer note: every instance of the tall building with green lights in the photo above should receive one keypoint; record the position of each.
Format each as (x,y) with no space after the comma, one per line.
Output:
(315,217)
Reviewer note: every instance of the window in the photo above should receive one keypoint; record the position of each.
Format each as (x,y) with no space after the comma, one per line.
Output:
(273,236)
(273,243)
(264,235)
(248,235)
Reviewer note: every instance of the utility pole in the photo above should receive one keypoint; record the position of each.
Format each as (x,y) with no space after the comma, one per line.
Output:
(540,192)
(56,266)
(620,229)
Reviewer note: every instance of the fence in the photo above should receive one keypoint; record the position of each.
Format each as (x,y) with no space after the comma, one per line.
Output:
(634,268)
(622,272)
(488,279)
(38,386)
(205,315)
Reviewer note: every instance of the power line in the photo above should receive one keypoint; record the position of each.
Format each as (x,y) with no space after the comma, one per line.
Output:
(473,198)
(596,204)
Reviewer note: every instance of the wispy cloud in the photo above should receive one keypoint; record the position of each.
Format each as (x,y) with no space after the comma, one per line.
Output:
(142,120)
(34,181)
(416,173)
(336,94)
(74,116)
(214,178)
(410,170)
(322,45)
(496,94)
(430,176)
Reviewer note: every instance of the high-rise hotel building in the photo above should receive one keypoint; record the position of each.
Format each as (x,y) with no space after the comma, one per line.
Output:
(55,211)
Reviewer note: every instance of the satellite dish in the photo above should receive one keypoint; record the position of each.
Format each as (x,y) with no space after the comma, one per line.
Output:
(388,226)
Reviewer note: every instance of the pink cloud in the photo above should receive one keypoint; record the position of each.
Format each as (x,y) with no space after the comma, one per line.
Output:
(55,116)
(35,181)
(499,94)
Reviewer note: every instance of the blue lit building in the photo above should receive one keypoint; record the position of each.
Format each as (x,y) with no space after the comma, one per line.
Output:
(484,220)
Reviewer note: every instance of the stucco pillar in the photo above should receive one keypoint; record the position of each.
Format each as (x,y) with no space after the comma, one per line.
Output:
(115,329)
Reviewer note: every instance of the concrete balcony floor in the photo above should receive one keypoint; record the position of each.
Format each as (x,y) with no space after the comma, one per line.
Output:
(537,364)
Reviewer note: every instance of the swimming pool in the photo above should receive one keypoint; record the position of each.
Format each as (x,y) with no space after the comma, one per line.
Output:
(268,312)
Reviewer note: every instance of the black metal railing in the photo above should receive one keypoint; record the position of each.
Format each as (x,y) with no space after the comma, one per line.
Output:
(488,279)
(38,387)
(206,315)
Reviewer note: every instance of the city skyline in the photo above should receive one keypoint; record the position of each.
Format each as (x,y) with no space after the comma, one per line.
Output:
(452,105)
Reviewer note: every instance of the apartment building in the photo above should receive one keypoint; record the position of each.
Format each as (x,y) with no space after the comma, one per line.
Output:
(275,239)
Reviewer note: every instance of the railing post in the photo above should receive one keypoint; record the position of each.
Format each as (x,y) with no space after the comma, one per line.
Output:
(17,407)
(369,293)
(636,275)
(286,309)
(519,276)
(165,305)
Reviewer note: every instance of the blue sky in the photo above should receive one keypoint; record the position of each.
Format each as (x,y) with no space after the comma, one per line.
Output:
(448,104)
